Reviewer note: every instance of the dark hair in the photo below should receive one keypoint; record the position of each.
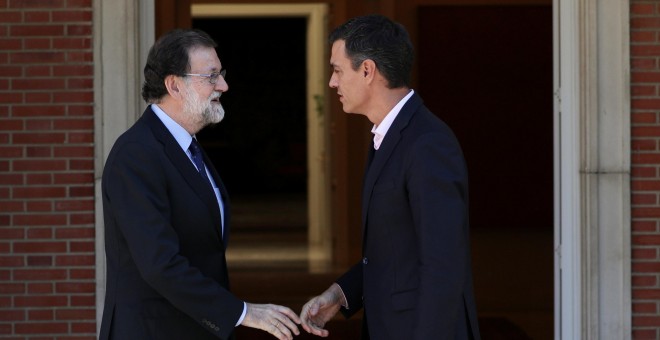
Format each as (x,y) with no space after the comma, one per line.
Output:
(382,40)
(170,56)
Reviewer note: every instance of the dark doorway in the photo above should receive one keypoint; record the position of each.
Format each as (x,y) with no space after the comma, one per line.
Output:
(487,72)
(260,148)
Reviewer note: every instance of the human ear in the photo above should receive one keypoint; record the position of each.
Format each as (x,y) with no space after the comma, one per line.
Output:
(172,85)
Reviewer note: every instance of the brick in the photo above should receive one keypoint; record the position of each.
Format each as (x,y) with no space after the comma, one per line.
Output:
(645,321)
(34,125)
(10,70)
(38,84)
(81,137)
(73,71)
(75,287)
(37,16)
(82,274)
(40,261)
(75,205)
(36,4)
(78,300)
(80,110)
(39,247)
(39,192)
(72,16)
(40,138)
(644,144)
(41,315)
(9,44)
(38,71)
(41,328)
(73,151)
(644,281)
(40,288)
(37,57)
(75,314)
(11,98)
(644,171)
(37,44)
(74,97)
(82,246)
(43,179)
(39,220)
(644,308)
(39,151)
(645,253)
(12,315)
(646,267)
(36,30)
(79,4)
(75,260)
(81,191)
(12,234)
(80,29)
(77,56)
(645,77)
(80,219)
(40,206)
(40,233)
(83,327)
(80,83)
(639,9)
(74,124)
(644,117)
(38,97)
(646,158)
(11,180)
(72,43)
(8,17)
(39,110)
(650,239)
(12,261)
(41,165)
(39,274)
(74,233)
(12,288)
(644,199)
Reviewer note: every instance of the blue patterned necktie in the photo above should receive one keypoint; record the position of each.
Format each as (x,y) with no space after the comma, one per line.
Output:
(196,152)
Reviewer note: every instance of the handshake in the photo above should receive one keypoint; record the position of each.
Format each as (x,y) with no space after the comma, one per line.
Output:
(282,322)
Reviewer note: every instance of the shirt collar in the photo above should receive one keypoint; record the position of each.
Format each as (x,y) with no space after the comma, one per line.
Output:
(178,132)
(380,130)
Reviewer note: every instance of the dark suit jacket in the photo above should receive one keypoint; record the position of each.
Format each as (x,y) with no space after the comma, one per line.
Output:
(414,280)
(166,268)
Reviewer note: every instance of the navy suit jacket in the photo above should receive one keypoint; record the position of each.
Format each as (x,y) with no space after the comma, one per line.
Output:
(415,279)
(166,268)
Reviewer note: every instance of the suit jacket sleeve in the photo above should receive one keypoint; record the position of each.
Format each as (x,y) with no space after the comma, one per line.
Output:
(138,188)
(351,286)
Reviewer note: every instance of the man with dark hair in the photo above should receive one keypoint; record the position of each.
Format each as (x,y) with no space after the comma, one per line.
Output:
(166,210)
(414,280)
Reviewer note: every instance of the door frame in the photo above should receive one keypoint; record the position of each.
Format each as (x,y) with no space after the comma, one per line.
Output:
(592,169)
(318,179)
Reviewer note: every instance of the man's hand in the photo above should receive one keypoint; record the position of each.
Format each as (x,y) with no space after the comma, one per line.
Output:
(320,309)
(274,319)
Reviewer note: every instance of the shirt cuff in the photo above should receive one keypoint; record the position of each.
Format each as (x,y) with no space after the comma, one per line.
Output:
(343,295)
(242,315)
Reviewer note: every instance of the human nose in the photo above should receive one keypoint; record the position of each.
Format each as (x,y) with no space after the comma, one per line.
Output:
(221,85)
(333,81)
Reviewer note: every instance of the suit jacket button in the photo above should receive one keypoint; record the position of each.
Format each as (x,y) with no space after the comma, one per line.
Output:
(365,260)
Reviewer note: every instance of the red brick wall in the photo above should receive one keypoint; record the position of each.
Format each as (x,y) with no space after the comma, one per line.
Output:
(47,286)
(645,92)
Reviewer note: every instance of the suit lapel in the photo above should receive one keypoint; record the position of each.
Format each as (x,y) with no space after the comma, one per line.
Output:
(183,164)
(386,149)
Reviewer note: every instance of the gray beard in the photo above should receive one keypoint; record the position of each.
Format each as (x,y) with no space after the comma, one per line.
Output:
(202,112)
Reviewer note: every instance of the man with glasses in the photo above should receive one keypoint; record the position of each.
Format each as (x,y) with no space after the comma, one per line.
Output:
(166,210)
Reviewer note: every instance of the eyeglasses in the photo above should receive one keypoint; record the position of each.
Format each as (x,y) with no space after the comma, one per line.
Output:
(212,77)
